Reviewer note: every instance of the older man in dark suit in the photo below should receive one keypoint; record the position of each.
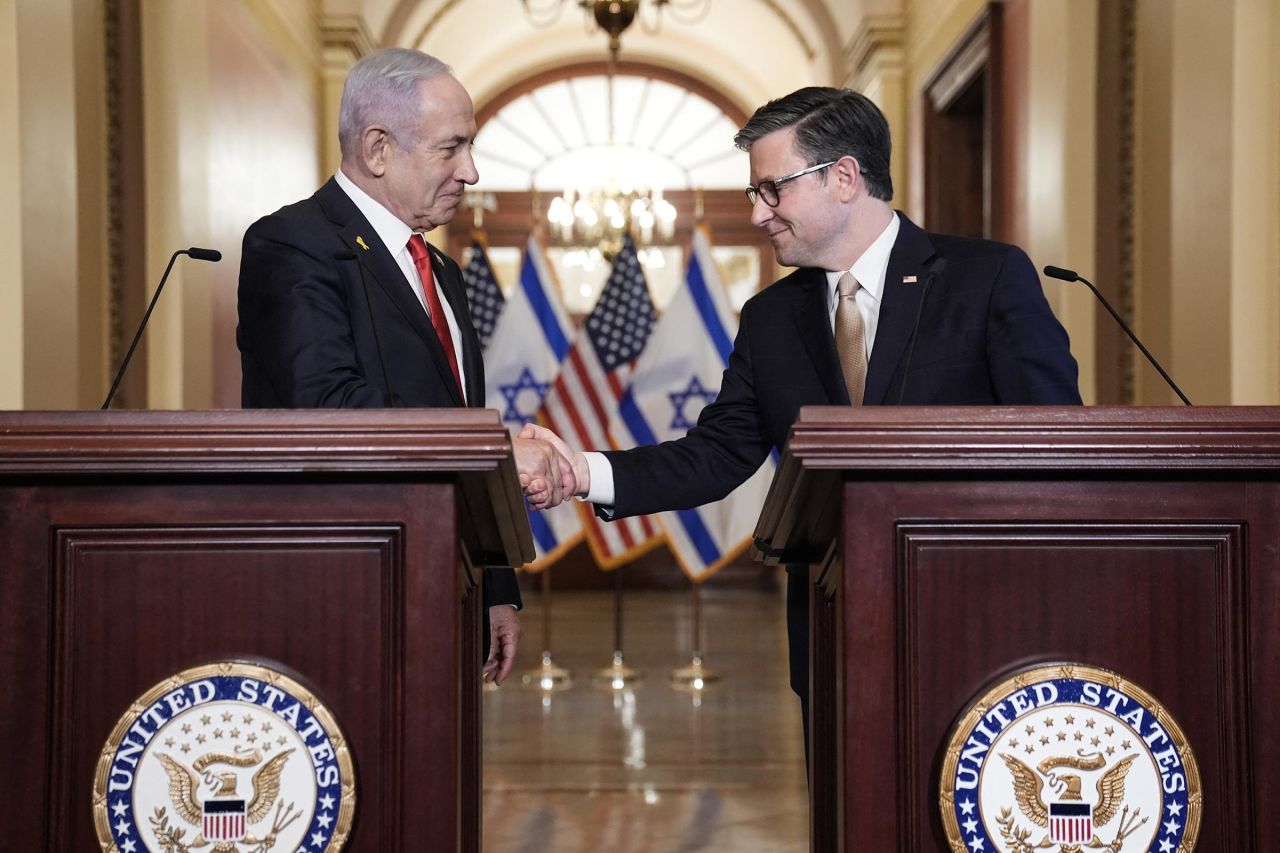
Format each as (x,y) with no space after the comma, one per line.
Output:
(879,312)
(343,304)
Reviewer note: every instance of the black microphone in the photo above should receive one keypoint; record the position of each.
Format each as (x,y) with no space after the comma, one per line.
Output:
(212,255)
(1072,275)
(348,255)
(935,270)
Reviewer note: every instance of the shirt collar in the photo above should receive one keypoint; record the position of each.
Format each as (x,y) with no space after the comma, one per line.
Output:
(393,233)
(872,266)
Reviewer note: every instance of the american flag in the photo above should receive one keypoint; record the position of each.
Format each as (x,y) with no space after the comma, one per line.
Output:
(585,395)
(483,294)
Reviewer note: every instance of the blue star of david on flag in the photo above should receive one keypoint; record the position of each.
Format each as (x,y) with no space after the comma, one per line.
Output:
(678,399)
(514,412)
(676,375)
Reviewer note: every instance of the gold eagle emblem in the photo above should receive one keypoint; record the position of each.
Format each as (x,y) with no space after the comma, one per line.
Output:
(183,785)
(1029,789)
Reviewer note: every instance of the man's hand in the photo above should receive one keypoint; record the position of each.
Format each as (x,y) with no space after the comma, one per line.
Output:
(504,639)
(545,474)
(580,473)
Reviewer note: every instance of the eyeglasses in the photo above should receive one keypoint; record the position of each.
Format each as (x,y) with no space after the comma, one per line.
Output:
(768,190)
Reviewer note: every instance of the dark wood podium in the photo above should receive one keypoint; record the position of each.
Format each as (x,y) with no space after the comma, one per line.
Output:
(345,546)
(955,546)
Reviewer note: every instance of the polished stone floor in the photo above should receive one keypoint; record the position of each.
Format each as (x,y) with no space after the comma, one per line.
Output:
(649,768)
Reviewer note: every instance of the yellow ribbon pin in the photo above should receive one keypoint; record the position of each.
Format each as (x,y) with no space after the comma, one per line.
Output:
(362,243)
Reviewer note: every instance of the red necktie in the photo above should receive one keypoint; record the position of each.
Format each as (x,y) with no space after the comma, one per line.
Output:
(422,260)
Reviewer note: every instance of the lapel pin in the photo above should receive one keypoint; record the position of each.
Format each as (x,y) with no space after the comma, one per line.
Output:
(908,279)
(362,243)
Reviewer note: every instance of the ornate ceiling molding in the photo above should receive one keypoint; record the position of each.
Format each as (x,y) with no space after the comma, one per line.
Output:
(876,47)
(346,38)
(817,10)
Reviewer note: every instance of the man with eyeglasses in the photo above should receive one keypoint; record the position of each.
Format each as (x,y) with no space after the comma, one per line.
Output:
(880,312)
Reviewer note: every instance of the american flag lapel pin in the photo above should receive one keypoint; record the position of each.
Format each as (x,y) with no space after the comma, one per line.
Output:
(362,243)
(908,279)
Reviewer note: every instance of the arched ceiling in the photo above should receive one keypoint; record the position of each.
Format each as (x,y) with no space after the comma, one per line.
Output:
(751,50)
(559,135)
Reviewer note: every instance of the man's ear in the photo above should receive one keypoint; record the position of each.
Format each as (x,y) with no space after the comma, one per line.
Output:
(374,144)
(847,174)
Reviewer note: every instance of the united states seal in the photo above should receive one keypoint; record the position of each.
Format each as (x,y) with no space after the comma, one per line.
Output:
(228,757)
(1069,758)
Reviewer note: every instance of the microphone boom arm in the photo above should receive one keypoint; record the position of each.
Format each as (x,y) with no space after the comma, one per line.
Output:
(197,253)
(1072,275)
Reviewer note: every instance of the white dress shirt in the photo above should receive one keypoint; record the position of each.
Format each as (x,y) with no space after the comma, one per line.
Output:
(395,235)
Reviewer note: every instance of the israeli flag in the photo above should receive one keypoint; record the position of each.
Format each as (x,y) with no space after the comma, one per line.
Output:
(530,341)
(676,376)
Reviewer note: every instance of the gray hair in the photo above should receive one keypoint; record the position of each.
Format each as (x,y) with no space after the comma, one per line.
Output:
(382,88)
(830,124)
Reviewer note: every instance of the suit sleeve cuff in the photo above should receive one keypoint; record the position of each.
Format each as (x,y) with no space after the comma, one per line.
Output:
(601,491)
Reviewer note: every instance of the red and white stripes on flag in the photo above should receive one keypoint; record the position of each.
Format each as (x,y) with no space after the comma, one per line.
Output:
(224,827)
(585,396)
(1070,823)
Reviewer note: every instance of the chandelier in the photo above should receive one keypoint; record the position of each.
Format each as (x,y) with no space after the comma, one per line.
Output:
(601,217)
(614,16)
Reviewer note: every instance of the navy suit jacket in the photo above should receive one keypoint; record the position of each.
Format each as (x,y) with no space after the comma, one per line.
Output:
(308,315)
(986,337)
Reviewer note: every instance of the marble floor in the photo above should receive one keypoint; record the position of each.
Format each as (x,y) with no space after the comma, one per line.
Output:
(649,768)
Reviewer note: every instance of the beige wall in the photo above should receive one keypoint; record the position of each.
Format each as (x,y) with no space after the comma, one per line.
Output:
(1255,204)
(266,119)
(1201,220)
(62,272)
(1062,94)
(231,95)
(11,313)
(1208,216)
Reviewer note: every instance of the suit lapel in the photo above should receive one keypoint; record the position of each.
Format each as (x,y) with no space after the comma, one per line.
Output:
(813,325)
(455,293)
(379,263)
(910,256)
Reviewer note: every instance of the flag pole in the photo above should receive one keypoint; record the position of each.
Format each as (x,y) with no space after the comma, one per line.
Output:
(694,677)
(617,675)
(547,677)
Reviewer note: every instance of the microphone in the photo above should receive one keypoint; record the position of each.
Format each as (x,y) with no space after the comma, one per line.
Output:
(1072,275)
(211,255)
(935,270)
(348,255)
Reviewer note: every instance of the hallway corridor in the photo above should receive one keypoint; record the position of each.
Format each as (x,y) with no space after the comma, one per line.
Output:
(650,768)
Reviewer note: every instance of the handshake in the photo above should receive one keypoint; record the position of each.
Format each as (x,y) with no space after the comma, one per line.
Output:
(550,471)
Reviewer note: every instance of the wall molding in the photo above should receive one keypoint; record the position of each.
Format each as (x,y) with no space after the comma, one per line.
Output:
(345,39)
(875,49)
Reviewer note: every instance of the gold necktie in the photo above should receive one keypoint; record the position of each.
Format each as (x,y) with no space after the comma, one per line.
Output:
(851,339)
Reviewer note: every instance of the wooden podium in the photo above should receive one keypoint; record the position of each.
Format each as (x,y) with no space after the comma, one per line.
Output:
(344,546)
(954,546)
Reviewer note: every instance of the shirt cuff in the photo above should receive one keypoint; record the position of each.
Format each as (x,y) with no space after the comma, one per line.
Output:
(601,491)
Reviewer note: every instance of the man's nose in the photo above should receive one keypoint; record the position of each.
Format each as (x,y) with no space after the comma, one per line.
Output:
(468,173)
(761,213)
